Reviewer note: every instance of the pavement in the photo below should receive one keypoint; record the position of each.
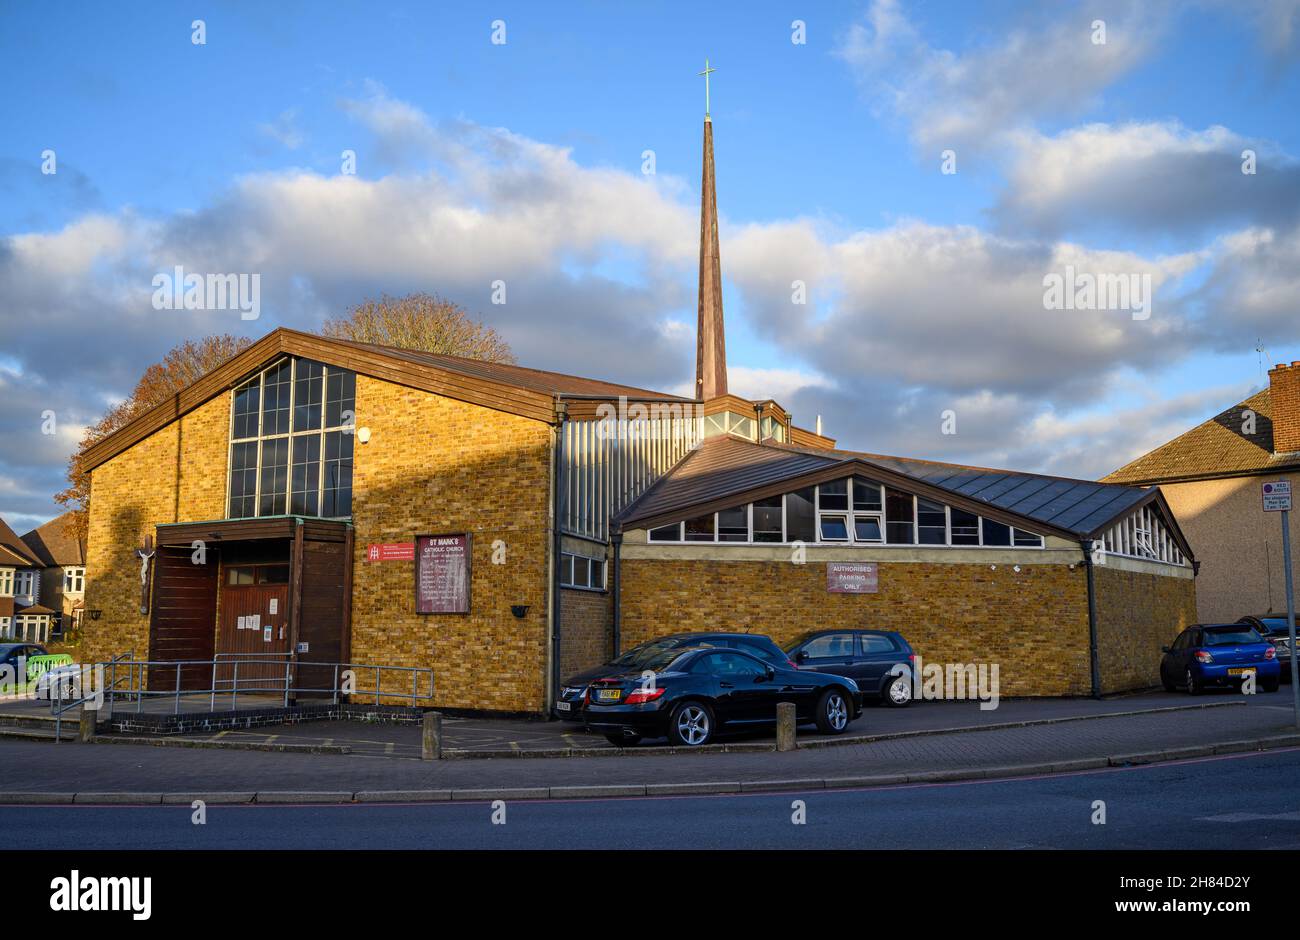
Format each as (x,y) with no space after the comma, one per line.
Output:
(1169,806)
(471,737)
(48,772)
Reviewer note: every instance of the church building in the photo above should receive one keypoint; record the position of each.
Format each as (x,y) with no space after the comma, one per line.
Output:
(315,500)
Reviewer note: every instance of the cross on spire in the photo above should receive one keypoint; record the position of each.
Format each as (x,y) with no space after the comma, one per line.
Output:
(706,73)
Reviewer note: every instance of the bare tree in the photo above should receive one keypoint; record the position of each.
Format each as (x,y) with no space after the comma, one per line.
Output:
(180,367)
(420,321)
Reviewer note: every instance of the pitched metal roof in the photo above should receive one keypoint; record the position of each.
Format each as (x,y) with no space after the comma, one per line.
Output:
(53,545)
(1215,448)
(725,466)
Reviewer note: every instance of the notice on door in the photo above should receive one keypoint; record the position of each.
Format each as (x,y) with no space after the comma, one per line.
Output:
(852,578)
(442,571)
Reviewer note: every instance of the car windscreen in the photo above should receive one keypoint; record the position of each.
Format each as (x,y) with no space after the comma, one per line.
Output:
(638,655)
(661,660)
(1228,636)
(789,647)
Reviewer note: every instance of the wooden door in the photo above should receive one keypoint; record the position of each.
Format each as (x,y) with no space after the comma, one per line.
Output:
(180,620)
(254,629)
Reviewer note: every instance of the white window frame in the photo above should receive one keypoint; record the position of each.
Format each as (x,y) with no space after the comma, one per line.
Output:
(74,579)
(6,582)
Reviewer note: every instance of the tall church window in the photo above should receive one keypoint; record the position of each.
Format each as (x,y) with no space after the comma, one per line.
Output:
(291,442)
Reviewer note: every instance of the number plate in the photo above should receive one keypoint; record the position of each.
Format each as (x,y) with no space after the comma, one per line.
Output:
(562,706)
(1241,672)
(608,695)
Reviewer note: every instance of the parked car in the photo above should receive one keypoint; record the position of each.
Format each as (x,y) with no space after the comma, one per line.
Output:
(871,658)
(695,692)
(1274,629)
(574,689)
(1208,654)
(10,654)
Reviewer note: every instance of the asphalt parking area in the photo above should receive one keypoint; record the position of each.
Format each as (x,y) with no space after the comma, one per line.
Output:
(525,737)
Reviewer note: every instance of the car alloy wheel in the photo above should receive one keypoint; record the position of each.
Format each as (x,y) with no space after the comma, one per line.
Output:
(837,713)
(692,724)
(899,691)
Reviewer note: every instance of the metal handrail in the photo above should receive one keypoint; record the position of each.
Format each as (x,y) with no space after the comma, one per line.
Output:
(57,710)
(137,676)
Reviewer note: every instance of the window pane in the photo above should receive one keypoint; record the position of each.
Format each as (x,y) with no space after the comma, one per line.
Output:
(246,409)
(833,646)
(243,480)
(700,530)
(274,477)
(733,525)
(273,574)
(275,399)
(308,390)
(996,533)
(931,522)
(1030,540)
(898,517)
(866,495)
(239,576)
(340,398)
(767,519)
(566,569)
(965,527)
(304,495)
(744,427)
(833,495)
(835,529)
(580,572)
(800,519)
(667,533)
(597,574)
(866,528)
(338,475)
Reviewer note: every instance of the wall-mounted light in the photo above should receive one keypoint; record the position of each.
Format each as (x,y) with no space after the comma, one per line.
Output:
(519,610)
(95,614)
(363,435)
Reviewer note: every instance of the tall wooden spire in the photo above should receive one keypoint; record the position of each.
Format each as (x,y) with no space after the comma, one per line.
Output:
(711,347)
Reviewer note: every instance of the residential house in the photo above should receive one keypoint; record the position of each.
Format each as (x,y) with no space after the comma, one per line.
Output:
(63,572)
(21,616)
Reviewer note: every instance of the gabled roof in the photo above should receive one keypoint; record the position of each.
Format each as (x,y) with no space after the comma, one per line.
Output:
(1214,448)
(53,545)
(13,551)
(516,390)
(724,471)
(34,609)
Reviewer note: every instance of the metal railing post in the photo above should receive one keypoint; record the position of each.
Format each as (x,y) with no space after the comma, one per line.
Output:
(234,687)
(415,686)
(336,683)
(378,682)
(212,699)
(177,709)
(286,684)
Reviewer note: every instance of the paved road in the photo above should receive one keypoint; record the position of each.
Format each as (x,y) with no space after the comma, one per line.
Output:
(1242,802)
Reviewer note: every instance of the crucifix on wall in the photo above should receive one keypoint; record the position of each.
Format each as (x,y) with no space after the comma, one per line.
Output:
(144,553)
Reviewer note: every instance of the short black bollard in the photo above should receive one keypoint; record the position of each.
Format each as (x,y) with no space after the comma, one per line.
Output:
(431,748)
(785,726)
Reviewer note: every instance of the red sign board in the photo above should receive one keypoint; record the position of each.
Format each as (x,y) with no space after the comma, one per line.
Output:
(851,578)
(442,574)
(390,551)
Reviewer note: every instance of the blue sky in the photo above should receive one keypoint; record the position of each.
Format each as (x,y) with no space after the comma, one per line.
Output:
(523,161)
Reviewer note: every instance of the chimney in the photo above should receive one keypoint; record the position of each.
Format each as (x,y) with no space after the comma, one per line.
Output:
(1284,399)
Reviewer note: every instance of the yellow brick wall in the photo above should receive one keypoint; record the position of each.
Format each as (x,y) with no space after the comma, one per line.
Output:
(586,639)
(1033,623)
(1137,613)
(435,465)
(177,474)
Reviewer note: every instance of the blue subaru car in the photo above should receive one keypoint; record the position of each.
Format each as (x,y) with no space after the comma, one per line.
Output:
(1216,654)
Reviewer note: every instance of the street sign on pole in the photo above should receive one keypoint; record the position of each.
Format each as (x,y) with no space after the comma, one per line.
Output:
(1277,498)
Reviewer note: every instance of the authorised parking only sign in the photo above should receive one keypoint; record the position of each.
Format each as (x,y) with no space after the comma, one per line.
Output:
(1277,496)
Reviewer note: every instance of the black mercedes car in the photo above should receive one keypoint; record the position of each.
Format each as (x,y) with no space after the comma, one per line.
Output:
(688,695)
(574,690)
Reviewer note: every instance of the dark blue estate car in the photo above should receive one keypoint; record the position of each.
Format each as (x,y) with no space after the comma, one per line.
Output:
(573,692)
(1209,654)
(871,658)
(1273,628)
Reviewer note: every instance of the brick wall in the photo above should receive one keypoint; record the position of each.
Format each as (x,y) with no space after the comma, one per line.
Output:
(1033,623)
(1284,398)
(175,475)
(436,465)
(1137,613)
(588,630)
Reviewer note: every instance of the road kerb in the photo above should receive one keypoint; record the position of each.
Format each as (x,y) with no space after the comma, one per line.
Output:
(213,797)
(402,796)
(133,799)
(503,793)
(304,796)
